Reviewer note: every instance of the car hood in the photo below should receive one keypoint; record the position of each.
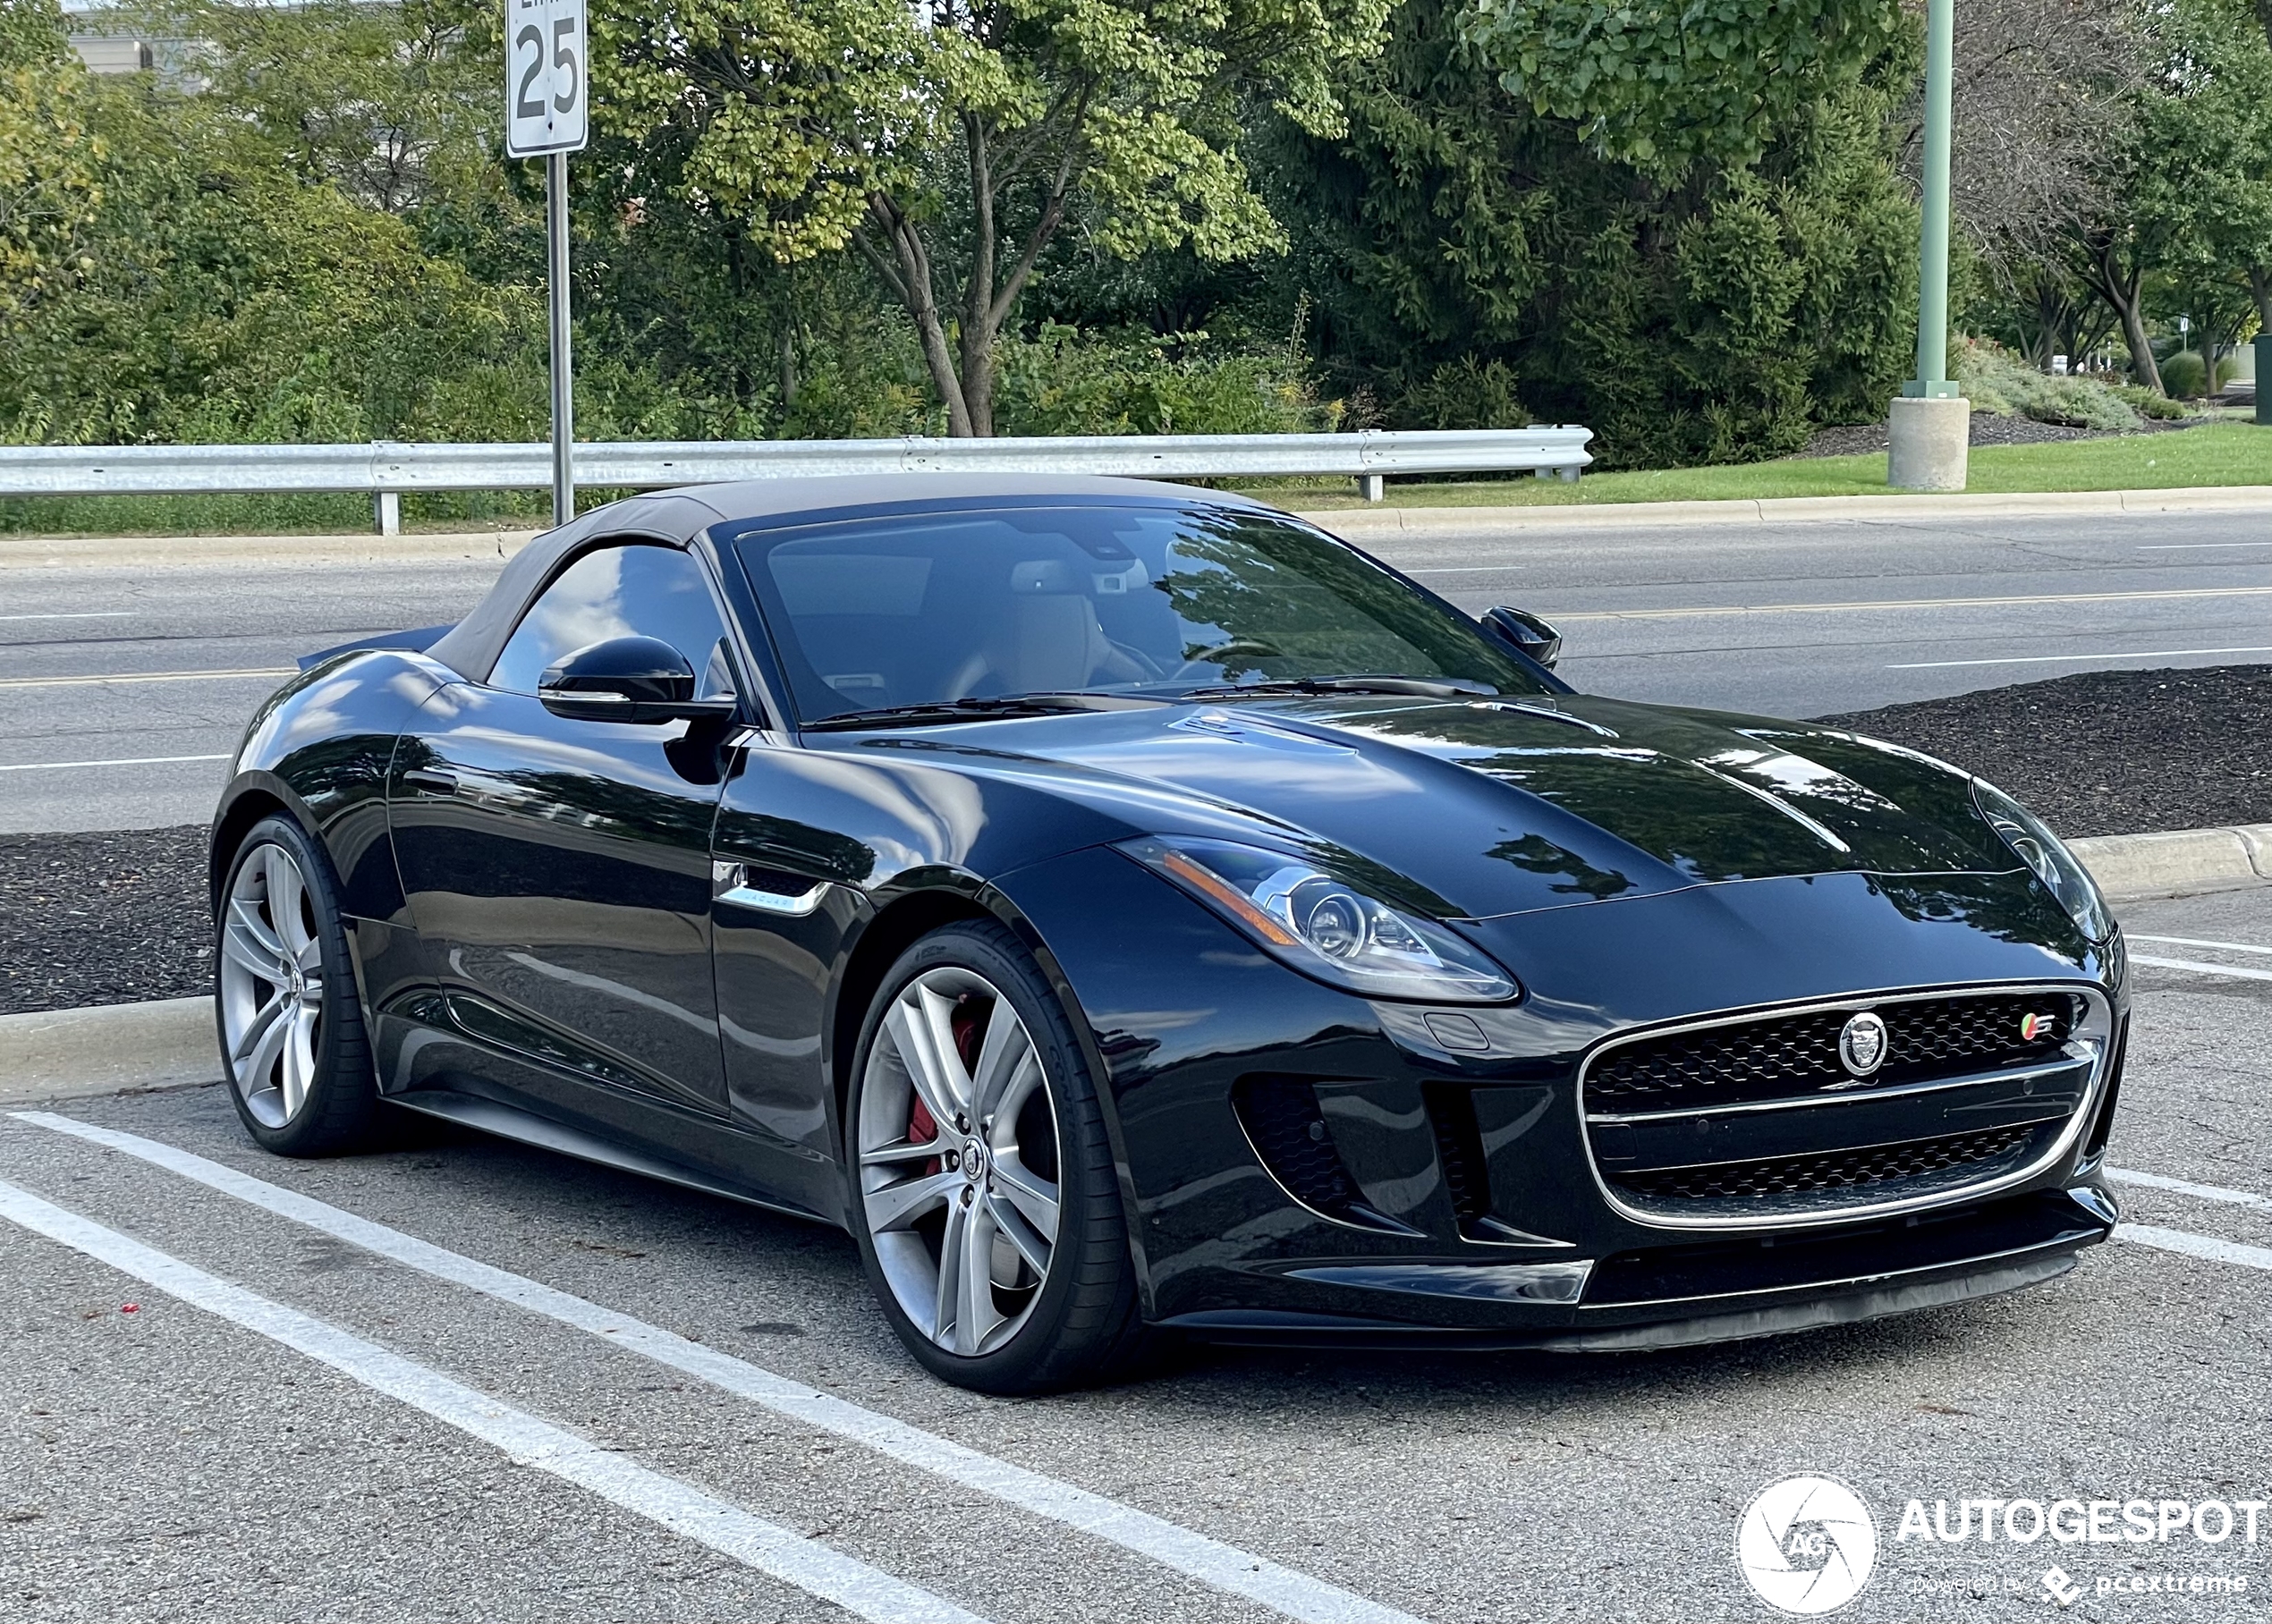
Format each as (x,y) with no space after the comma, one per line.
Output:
(1508,805)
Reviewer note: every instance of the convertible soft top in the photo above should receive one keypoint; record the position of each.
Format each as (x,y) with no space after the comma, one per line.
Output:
(471,647)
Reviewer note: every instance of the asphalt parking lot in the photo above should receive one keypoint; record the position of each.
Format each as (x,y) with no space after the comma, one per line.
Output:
(466,1380)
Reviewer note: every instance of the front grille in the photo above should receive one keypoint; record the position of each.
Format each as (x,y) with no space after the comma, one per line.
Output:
(1855,1171)
(1734,1123)
(1779,1056)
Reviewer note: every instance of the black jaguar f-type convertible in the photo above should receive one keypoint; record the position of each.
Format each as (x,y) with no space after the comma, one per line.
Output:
(1130,910)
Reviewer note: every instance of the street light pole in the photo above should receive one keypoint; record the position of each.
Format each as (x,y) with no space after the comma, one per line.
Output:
(1931,428)
(1931,382)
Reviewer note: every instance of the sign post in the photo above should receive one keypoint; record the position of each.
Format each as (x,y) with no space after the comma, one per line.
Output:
(548,115)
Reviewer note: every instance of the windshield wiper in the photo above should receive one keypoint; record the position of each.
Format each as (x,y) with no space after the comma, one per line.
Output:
(976,708)
(1425,688)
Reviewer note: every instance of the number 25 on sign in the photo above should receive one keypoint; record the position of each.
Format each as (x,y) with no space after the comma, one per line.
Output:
(544,100)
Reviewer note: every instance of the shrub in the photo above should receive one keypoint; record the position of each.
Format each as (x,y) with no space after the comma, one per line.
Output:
(1995,380)
(1062,381)
(1468,392)
(2183,376)
(2146,403)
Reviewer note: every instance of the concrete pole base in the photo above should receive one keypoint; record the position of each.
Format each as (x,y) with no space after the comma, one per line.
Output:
(1929,444)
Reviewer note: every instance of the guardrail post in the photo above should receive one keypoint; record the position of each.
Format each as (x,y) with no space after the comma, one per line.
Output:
(1372,487)
(1568,475)
(387,513)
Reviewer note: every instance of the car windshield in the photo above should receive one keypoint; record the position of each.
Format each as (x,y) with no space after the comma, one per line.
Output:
(926,609)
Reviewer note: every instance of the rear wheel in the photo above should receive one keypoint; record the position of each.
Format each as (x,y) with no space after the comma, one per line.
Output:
(293,1045)
(984,1195)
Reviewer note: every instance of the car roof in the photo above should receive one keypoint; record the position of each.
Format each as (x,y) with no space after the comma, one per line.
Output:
(676,517)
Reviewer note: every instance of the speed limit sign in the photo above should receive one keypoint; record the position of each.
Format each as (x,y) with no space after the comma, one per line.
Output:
(546,100)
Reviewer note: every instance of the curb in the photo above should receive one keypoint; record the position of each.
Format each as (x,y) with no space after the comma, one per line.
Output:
(2179,863)
(127,1048)
(118,1048)
(1786,509)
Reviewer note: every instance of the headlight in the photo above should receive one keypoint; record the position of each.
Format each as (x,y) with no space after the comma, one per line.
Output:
(1323,926)
(2051,862)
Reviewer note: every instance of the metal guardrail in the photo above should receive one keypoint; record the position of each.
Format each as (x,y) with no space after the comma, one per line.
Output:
(386,468)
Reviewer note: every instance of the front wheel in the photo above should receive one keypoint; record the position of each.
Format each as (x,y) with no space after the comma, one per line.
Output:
(984,1195)
(293,1045)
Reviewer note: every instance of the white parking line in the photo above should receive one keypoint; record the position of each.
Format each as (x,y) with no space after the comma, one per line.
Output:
(2179,1187)
(2199,968)
(2060,659)
(681,1507)
(122,761)
(1284,1590)
(2197,1246)
(2230,947)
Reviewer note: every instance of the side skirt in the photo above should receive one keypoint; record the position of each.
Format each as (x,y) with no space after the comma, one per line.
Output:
(526,1128)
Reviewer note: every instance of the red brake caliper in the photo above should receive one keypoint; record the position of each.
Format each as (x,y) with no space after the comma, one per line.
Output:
(921,1130)
(922,1127)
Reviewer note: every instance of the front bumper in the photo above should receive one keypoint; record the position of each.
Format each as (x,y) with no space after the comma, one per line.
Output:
(1348,1218)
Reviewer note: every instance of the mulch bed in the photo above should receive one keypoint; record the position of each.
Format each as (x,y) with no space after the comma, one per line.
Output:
(2108,752)
(118,918)
(1855,439)
(112,917)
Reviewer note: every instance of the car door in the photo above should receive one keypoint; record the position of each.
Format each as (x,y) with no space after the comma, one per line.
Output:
(558,870)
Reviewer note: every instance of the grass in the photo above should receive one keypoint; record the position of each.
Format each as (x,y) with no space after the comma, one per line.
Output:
(2218,454)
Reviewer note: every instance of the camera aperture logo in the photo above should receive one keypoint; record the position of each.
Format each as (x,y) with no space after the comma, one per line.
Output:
(1806,1545)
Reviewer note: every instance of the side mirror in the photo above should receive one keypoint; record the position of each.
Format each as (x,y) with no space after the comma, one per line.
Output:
(629,680)
(1521,630)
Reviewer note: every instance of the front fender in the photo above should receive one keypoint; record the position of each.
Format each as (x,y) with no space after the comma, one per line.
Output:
(320,748)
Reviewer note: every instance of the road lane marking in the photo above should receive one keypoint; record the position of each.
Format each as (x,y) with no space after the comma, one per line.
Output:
(121,761)
(78,614)
(2199,968)
(2058,659)
(679,1505)
(2180,1187)
(2230,947)
(1284,1590)
(2197,1246)
(2196,546)
(1860,606)
(151,676)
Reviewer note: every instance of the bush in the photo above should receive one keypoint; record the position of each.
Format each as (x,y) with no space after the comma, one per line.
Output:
(2182,376)
(1997,381)
(1062,381)
(1468,392)
(2146,403)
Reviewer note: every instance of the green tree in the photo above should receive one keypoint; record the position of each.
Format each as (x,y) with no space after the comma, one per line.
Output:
(1658,83)
(2186,195)
(950,142)
(1715,315)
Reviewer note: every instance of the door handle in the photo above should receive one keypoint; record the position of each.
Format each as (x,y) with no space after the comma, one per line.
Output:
(432,779)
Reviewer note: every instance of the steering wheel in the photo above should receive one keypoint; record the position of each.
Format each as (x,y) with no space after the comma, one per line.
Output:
(1249,647)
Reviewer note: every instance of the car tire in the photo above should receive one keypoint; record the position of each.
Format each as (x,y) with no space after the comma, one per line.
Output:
(294,1048)
(991,1328)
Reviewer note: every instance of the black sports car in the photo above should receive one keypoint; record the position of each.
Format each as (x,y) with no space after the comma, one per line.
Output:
(1129,909)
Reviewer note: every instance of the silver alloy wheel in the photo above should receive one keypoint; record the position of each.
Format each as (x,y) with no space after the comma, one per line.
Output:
(272,986)
(959,1160)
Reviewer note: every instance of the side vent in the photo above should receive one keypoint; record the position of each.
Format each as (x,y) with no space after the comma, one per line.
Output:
(1289,1133)
(1459,1151)
(2102,1129)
